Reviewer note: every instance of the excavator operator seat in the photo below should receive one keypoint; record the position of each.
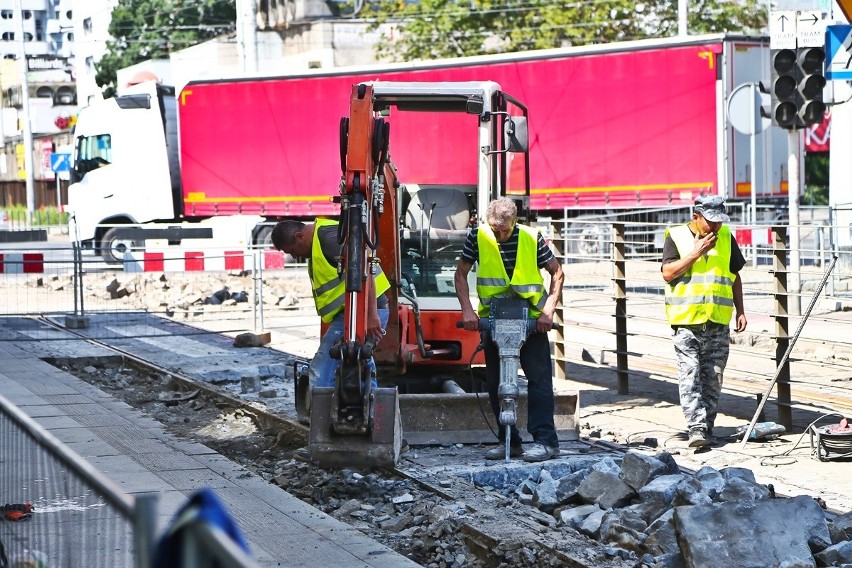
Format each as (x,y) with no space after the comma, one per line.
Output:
(447,207)
(436,225)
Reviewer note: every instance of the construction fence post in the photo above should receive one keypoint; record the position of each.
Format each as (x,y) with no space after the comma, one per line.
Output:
(619,280)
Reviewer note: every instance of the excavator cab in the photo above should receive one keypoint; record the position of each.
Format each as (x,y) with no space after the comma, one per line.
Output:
(405,213)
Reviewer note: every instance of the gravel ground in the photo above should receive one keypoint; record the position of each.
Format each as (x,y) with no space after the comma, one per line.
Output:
(424,525)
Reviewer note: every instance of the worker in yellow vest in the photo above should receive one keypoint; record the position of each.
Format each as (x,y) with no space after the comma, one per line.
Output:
(318,243)
(510,258)
(701,266)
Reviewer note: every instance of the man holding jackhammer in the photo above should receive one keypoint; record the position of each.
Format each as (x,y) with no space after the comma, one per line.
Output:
(701,265)
(510,258)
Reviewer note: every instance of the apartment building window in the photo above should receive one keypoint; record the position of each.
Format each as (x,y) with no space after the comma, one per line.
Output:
(8,36)
(87,25)
(6,14)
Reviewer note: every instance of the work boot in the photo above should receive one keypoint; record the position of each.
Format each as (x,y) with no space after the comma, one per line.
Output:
(540,452)
(499,452)
(698,438)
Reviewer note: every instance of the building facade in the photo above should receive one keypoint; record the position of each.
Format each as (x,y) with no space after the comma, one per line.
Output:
(64,42)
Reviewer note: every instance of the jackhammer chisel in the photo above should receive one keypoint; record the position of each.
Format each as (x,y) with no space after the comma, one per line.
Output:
(508,326)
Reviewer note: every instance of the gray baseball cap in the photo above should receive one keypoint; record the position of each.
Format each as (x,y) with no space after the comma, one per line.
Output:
(712,208)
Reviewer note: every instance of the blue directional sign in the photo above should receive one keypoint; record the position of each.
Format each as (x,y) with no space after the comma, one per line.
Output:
(60,163)
(838,57)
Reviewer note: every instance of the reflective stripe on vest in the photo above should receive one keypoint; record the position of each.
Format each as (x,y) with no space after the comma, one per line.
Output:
(328,287)
(492,280)
(705,291)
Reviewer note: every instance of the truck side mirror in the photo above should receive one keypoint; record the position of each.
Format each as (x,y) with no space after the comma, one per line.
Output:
(515,134)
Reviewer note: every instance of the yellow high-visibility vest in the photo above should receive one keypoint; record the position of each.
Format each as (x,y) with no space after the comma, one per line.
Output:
(492,280)
(705,292)
(327,285)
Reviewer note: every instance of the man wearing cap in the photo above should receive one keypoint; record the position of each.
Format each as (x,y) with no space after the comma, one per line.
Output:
(701,265)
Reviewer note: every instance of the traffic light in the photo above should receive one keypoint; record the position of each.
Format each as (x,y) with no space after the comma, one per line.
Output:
(784,91)
(797,84)
(810,61)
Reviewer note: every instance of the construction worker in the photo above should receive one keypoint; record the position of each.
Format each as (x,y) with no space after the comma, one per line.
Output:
(510,258)
(318,243)
(701,265)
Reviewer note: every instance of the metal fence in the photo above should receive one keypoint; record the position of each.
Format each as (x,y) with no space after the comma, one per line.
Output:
(153,291)
(236,289)
(61,512)
(78,516)
(623,279)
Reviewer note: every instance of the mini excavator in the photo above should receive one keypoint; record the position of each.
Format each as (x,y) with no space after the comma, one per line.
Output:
(413,232)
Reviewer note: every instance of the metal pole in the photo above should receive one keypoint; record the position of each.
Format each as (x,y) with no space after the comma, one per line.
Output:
(247,35)
(25,121)
(145,529)
(74,254)
(682,16)
(254,260)
(260,286)
(80,279)
(789,349)
(755,96)
(794,138)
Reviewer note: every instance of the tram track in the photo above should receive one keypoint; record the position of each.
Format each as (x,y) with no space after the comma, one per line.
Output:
(492,520)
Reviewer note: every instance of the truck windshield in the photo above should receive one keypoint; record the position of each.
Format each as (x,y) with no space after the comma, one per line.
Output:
(92,152)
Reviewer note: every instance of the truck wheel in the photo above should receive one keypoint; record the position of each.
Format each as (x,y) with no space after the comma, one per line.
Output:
(264,237)
(589,240)
(114,245)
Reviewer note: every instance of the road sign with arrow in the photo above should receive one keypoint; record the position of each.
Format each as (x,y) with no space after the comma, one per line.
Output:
(782,30)
(810,28)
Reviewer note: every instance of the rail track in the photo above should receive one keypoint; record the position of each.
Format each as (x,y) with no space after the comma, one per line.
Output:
(493,516)
(493,519)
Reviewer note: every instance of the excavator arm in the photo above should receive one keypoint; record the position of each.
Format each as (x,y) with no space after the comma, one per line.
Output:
(354,423)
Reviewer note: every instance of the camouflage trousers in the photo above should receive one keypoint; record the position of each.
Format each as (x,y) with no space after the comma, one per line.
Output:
(702,353)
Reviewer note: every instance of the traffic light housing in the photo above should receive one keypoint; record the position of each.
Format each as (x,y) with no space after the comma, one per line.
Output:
(784,90)
(797,84)
(811,62)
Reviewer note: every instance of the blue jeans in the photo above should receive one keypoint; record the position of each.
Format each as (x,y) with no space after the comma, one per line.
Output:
(538,369)
(323,367)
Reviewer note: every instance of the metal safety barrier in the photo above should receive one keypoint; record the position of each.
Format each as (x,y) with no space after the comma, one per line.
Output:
(235,288)
(78,516)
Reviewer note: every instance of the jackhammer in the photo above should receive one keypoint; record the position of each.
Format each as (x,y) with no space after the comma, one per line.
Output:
(508,326)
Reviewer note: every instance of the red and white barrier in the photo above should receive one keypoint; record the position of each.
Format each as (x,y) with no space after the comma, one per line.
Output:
(197,261)
(21,263)
(747,236)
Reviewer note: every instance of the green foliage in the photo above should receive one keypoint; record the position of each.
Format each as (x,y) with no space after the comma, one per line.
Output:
(151,29)
(430,29)
(816,179)
(43,216)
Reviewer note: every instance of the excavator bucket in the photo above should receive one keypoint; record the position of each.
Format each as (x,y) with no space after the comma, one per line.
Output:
(378,446)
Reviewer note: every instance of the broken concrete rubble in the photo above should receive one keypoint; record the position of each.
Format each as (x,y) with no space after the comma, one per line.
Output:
(647,507)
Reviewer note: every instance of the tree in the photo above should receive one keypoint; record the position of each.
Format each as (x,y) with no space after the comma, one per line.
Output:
(816,179)
(151,29)
(430,29)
